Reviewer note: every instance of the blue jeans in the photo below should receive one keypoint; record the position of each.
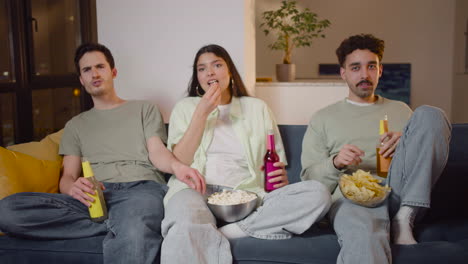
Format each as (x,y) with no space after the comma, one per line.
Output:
(133,229)
(190,225)
(419,160)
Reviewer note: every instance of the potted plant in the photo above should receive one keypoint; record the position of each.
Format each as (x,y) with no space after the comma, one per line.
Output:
(293,28)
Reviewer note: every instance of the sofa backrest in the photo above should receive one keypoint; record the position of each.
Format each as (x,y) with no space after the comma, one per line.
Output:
(292,136)
(450,194)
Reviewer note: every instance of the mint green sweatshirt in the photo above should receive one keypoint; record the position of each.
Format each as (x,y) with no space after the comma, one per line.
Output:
(345,123)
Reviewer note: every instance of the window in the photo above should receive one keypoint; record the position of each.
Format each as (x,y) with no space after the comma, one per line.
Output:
(52,108)
(55,34)
(466,47)
(39,90)
(7,122)
(6,69)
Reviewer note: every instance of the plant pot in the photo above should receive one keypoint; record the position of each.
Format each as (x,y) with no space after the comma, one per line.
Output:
(285,72)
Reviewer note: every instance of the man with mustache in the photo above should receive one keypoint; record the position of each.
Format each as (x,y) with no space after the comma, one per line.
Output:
(342,138)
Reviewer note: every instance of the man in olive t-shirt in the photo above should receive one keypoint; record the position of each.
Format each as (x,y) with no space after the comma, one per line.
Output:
(124,143)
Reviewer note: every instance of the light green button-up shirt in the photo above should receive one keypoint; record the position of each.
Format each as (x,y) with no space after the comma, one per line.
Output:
(251,120)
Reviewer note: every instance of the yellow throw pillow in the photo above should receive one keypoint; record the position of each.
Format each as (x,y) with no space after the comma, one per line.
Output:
(23,173)
(46,149)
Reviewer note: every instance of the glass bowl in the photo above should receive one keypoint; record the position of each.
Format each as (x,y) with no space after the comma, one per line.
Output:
(368,201)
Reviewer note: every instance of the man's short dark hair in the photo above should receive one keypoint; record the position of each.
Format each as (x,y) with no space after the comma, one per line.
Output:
(90,47)
(363,42)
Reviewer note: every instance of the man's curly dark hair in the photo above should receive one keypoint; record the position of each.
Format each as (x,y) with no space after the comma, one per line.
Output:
(362,41)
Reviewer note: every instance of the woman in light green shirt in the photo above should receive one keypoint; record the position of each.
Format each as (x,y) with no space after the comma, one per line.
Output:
(221,131)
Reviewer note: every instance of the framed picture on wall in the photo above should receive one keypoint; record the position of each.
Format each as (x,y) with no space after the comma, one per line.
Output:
(394,84)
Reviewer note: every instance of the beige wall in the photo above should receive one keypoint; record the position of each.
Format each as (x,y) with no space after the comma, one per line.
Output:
(420,32)
(154,43)
(460,82)
(293,103)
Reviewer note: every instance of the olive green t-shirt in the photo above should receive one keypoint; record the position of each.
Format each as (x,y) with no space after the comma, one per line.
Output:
(114,141)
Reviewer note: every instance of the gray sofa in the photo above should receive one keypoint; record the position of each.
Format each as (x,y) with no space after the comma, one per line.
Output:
(442,235)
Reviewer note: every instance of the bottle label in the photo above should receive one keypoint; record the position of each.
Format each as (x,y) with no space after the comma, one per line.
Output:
(269,168)
(95,210)
(270,158)
(383,164)
(271,142)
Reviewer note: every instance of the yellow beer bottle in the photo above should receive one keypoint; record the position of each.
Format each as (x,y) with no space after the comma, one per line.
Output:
(383,163)
(98,209)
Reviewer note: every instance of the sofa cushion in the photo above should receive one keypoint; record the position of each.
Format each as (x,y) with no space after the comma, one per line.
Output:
(314,246)
(46,149)
(23,173)
(70,251)
(451,230)
(435,252)
(320,245)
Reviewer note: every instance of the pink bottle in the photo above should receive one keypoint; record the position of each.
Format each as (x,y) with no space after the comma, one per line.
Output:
(270,158)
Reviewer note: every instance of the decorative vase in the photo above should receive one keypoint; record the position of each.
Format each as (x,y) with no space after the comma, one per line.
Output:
(285,72)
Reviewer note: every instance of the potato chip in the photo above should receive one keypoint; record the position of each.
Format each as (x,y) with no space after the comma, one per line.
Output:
(363,188)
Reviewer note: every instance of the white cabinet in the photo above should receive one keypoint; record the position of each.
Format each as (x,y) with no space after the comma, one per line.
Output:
(293,103)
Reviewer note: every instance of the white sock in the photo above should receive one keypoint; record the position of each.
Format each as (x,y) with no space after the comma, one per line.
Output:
(402,225)
(232,231)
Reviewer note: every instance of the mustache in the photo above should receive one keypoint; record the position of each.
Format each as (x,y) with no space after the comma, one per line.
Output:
(364,81)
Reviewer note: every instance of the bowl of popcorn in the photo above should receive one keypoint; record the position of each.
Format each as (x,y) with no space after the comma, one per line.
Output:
(363,189)
(232,205)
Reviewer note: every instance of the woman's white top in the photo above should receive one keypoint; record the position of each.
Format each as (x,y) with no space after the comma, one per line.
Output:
(225,164)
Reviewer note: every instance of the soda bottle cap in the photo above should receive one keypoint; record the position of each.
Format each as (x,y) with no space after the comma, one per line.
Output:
(271,132)
(87,171)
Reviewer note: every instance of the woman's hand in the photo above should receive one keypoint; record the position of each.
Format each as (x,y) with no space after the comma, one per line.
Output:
(281,175)
(210,100)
